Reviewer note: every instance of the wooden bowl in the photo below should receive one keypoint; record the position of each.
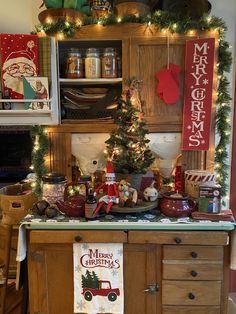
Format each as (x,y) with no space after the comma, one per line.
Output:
(131,8)
(53,14)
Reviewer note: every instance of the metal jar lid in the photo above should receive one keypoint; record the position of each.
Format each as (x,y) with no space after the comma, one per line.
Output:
(53,178)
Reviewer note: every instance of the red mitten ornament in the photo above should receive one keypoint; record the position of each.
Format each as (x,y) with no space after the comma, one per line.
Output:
(168,84)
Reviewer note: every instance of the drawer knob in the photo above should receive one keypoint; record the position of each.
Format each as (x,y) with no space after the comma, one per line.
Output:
(152,288)
(194,254)
(178,240)
(78,238)
(191,296)
(194,273)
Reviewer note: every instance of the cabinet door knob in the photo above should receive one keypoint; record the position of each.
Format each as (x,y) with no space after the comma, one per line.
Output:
(194,273)
(152,288)
(78,238)
(194,254)
(178,240)
(191,296)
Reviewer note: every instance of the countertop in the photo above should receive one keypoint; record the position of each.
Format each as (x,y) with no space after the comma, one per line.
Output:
(144,221)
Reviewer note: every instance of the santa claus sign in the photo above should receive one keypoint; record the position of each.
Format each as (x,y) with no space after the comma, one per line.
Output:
(19,58)
(199,66)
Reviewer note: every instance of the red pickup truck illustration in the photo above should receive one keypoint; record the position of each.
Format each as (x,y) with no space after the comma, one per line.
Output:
(104,289)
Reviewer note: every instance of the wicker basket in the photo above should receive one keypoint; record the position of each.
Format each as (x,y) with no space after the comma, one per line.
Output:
(15,202)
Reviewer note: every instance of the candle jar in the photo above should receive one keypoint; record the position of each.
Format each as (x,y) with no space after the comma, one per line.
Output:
(92,63)
(74,64)
(109,63)
(53,187)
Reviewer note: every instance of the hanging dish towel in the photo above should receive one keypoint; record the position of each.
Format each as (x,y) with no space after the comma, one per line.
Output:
(233,250)
(98,278)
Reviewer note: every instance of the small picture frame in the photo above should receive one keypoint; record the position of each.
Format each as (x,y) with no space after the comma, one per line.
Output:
(36,87)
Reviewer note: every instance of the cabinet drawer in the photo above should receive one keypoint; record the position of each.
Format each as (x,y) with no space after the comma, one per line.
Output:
(177,237)
(71,236)
(192,271)
(191,293)
(191,310)
(197,252)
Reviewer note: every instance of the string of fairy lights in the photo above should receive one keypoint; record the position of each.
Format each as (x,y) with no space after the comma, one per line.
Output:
(40,142)
(169,24)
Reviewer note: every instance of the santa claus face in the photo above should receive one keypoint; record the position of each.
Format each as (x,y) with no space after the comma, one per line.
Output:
(14,73)
(20,69)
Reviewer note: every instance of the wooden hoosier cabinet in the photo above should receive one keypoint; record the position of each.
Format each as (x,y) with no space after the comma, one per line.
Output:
(168,269)
(144,51)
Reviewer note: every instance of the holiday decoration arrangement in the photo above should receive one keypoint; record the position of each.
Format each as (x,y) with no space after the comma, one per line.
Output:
(125,188)
(125,183)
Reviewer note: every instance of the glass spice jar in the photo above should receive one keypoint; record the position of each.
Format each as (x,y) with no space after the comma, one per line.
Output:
(109,63)
(92,63)
(74,64)
(53,187)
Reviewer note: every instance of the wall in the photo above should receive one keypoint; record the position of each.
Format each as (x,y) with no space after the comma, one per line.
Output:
(19,16)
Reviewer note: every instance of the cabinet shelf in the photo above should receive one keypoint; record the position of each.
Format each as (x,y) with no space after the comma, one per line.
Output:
(38,116)
(25,112)
(25,100)
(87,81)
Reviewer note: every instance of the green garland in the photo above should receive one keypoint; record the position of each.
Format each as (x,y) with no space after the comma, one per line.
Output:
(178,24)
(40,143)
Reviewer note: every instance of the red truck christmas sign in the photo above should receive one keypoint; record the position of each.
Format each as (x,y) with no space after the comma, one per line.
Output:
(199,67)
(98,278)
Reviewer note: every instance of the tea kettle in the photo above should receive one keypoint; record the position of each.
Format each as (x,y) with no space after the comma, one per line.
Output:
(73,204)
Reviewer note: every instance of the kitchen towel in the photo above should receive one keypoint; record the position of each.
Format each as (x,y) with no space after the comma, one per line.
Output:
(98,278)
(21,243)
(233,250)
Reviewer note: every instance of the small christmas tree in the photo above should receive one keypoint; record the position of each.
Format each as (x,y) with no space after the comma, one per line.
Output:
(128,146)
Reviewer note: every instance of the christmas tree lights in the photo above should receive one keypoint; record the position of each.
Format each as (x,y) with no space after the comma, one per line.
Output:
(127,146)
(40,148)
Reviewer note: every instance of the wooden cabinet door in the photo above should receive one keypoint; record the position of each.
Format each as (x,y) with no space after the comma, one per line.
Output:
(50,278)
(51,275)
(142,272)
(60,159)
(147,57)
(50,267)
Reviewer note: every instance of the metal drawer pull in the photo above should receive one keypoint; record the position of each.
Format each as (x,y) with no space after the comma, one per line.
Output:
(78,238)
(194,273)
(194,254)
(152,288)
(191,296)
(178,240)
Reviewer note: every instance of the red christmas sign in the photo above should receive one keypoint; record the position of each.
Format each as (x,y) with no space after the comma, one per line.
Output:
(19,57)
(199,66)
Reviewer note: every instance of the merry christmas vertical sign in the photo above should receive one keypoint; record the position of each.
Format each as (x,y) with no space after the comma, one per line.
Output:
(98,278)
(199,67)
